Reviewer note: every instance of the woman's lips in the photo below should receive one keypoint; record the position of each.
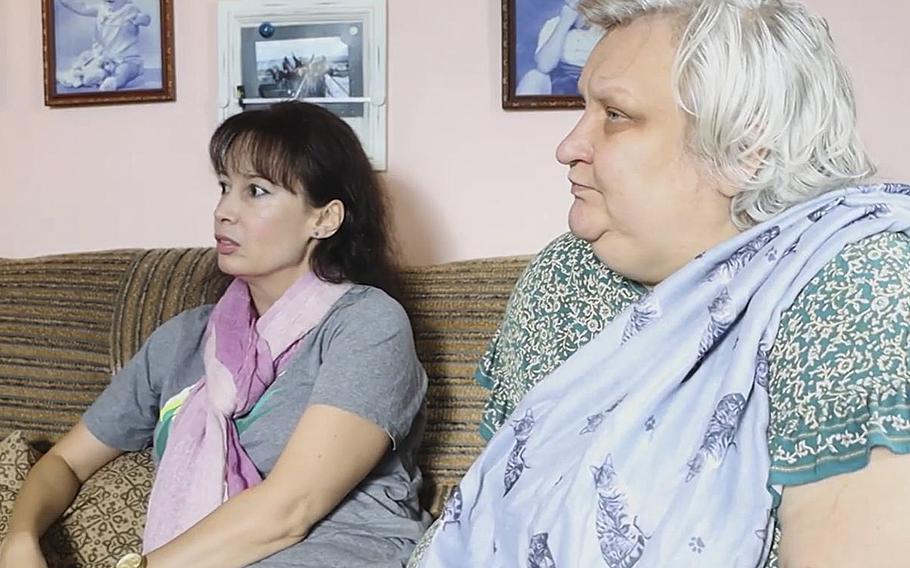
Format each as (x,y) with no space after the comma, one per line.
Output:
(578,189)
(225,245)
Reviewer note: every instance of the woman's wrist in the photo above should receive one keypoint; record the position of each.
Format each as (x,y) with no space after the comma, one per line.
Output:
(21,537)
(132,560)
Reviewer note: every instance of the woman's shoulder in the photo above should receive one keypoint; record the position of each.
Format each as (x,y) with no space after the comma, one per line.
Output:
(567,268)
(860,297)
(839,368)
(872,256)
(365,305)
(867,279)
(565,258)
(566,247)
(185,328)
(193,317)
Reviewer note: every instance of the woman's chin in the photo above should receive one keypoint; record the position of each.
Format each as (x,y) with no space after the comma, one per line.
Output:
(229,266)
(583,227)
(621,255)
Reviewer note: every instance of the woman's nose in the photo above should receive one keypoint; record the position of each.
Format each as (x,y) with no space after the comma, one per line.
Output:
(576,146)
(226,210)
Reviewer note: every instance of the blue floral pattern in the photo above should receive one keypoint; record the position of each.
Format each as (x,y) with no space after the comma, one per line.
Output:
(539,555)
(720,316)
(644,312)
(624,537)
(621,541)
(816,215)
(729,268)
(451,511)
(762,366)
(721,429)
(595,420)
(516,465)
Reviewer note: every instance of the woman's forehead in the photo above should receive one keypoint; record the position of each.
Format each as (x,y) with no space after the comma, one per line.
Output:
(632,61)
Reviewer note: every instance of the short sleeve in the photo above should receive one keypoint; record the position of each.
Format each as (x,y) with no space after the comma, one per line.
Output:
(125,414)
(840,382)
(369,364)
(565,297)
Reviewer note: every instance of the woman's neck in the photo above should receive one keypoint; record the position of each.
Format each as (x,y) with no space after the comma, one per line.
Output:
(266,291)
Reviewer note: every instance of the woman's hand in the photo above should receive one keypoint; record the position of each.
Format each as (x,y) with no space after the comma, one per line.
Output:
(48,490)
(329,453)
(21,551)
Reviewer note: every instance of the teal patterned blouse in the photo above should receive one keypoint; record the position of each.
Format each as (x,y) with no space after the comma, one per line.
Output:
(839,382)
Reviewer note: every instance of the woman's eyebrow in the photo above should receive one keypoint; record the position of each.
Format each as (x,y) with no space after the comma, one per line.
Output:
(607,89)
(254,174)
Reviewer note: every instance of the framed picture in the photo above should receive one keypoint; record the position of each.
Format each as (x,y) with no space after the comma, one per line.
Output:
(545,44)
(100,52)
(330,53)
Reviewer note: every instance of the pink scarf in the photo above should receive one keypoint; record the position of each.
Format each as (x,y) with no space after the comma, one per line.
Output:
(204,464)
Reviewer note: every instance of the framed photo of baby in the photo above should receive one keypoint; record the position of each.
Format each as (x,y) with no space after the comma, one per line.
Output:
(545,44)
(101,52)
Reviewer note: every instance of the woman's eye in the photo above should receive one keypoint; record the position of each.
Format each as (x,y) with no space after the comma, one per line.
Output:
(223,187)
(257,191)
(614,116)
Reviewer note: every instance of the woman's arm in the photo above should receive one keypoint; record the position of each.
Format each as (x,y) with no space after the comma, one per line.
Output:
(80,7)
(849,520)
(548,54)
(329,453)
(48,490)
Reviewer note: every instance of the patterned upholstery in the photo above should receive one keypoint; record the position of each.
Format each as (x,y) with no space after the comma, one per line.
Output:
(67,322)
(107,518)
(55,338)
(16,458)
(455,309)
(160,284)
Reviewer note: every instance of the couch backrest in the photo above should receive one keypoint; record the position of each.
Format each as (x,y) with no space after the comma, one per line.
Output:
(68,322)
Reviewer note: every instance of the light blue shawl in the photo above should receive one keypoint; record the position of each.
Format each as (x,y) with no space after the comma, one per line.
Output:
(648,447)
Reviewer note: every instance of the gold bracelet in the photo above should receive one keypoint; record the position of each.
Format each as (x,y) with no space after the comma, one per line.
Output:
(132,560)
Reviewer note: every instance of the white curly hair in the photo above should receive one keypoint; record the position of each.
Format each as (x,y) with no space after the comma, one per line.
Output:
(771,106)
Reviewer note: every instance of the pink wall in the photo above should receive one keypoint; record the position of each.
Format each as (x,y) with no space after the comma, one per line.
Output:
(467,179)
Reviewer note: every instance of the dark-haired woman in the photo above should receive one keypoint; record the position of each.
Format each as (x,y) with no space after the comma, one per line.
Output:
(285,419)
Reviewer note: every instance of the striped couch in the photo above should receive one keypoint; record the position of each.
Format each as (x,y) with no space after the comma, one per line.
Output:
(67,322)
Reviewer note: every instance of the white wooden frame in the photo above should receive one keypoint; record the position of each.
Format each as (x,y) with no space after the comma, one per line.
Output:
(234,15)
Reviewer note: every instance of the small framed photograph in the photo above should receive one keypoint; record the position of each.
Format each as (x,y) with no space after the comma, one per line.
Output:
(100,52)
(330,53)
(545,44)
(304,61)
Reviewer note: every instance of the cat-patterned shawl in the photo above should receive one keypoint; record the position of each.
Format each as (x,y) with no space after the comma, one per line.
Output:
(648,448)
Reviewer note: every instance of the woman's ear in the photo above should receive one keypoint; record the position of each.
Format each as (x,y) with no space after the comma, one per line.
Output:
(752,163)
(329,219)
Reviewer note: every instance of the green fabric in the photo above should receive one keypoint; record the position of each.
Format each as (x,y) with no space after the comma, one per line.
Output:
(839,384)
(170,409)
(564,298)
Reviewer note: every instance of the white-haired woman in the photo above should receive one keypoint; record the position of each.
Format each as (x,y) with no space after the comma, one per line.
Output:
(712,369)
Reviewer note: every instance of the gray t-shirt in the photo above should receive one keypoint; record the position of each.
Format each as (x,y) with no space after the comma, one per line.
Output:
(361,359)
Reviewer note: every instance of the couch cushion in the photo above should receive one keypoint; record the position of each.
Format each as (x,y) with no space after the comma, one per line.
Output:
(107,518)
(16,458)
(455,309)
(67,322)
(159,284)
(55,331)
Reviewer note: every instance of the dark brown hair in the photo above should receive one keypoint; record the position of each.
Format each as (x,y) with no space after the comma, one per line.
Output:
(307,149)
